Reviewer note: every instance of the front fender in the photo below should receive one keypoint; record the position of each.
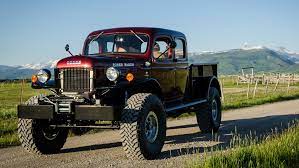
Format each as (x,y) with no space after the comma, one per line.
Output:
(148,85)
(48,84)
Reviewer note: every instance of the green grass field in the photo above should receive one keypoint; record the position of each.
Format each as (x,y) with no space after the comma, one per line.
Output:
(9,98)
(234,97)
(276,151)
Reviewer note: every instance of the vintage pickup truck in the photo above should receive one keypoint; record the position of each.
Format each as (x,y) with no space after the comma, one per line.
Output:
(126,78)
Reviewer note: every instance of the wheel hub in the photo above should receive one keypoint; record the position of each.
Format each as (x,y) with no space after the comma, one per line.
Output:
(50,133)
(214,110)
(151,127)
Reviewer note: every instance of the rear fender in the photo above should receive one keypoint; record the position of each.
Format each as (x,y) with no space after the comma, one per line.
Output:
(214,83)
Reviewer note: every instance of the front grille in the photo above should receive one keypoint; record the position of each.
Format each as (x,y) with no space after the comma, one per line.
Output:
(76,79)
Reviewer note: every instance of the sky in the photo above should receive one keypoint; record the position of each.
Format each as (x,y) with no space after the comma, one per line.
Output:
(34,31)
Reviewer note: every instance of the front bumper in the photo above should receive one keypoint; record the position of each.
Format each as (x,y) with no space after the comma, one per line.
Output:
(79,112)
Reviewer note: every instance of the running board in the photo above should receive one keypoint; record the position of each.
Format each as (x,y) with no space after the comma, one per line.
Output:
(185,105)
(87,126)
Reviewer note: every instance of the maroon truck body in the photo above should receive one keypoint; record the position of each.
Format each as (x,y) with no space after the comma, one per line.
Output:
(131,78)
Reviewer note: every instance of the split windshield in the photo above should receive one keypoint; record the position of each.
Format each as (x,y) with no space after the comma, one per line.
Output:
(117,43)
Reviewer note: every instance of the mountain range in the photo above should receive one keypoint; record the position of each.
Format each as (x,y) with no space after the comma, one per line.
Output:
(24,71)
(263,59)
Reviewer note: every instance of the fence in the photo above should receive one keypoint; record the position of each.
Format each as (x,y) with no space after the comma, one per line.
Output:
(268,78)
(261,86)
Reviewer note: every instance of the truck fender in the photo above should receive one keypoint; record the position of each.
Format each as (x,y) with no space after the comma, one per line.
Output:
(214,83)
(148,85)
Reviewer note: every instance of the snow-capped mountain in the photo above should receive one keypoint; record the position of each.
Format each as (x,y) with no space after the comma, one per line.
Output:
(50,64)
(24,71)
(265,59)
(290,54)
(282,51)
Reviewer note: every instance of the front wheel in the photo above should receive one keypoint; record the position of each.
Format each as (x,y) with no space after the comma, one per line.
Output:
(209,119)
(143,126)
(36,136)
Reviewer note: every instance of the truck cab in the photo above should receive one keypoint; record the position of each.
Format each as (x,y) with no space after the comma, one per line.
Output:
(131,77)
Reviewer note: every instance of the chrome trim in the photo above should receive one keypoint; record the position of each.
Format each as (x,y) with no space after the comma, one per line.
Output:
(61,79)
(91,85)
(64,107)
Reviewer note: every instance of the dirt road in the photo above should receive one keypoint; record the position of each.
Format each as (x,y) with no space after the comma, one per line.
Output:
(183,140)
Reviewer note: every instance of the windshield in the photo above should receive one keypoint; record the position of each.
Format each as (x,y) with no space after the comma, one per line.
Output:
(117,43)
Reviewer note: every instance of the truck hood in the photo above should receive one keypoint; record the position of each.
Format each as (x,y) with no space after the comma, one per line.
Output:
(95,61)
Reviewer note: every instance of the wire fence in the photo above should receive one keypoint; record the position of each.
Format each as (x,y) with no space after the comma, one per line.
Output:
(232,88)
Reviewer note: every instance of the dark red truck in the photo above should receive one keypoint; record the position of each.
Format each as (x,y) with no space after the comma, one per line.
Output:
(130,78)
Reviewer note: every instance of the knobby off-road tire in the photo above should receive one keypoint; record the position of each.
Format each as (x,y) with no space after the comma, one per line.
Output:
(143,113)
(37,137)
(209,119)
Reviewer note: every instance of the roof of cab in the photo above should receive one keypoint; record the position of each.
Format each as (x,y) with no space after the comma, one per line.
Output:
(147,30)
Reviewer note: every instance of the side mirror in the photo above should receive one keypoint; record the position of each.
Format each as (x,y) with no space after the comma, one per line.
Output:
(172,44)
(67,47)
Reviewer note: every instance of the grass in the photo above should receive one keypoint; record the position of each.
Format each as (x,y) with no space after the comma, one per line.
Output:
(277,151)
(234,97)
(9,98)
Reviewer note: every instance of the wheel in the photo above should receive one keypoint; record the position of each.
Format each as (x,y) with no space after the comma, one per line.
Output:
(143,126)
(37,137)
(209,119)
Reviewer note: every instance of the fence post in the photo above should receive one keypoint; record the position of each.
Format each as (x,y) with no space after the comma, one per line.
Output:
(222,94)
(289,83)
(233,81)
(276,84)
(22,91)
(255,88)
(267,82)
(248,88)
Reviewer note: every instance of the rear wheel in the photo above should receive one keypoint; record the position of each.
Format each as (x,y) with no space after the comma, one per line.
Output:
(37,137)
(209,119)
(143,127)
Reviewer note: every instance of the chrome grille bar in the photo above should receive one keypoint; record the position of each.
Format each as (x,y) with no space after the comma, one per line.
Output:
(76,79)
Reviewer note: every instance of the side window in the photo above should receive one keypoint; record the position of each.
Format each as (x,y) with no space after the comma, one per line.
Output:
(109,46)
(179,49)
(143,47)
(93,47)
(160,49)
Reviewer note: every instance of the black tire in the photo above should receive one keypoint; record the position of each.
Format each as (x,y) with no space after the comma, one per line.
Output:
(207,122)
(138,142)
(37,137)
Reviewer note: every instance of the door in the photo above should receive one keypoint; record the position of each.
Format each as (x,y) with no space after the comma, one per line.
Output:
(182,68)
(163,67)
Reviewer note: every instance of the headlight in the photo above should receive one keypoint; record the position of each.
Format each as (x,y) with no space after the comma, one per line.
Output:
(112,74)
(43,75)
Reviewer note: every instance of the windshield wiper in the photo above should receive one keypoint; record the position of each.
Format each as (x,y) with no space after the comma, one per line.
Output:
(137,36)
(96,37)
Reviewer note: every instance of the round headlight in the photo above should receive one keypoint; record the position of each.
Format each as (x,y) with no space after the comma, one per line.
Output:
(43,75)
(112,73)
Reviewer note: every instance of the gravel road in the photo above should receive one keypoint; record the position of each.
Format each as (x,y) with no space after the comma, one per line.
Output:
(184,141)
